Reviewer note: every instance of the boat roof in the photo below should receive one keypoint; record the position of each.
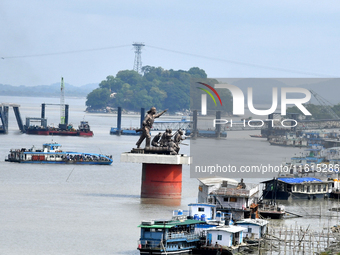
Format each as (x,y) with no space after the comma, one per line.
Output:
(171,223)
(201,204)
(259,222)
(217,180)
(300,180)
(229,229)
(53,144)
(292,180)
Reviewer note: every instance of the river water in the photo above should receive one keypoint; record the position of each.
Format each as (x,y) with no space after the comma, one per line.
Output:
(66,209)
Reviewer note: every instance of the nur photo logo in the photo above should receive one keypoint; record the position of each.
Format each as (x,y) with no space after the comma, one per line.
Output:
(204,97)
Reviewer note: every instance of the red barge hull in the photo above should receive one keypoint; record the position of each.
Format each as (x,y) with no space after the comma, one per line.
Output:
(61,132)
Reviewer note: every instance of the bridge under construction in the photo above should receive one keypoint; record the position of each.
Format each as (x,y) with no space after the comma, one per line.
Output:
(4,112)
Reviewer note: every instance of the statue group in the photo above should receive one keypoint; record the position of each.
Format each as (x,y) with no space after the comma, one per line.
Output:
(162,143)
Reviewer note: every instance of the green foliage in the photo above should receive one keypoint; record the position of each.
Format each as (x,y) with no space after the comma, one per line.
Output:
(317,111)
(164,89)
(98,98)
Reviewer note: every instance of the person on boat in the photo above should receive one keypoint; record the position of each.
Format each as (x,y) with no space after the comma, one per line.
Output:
(147,125)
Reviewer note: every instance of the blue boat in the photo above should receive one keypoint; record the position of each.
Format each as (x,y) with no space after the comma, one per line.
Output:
(296,188)
(51,153)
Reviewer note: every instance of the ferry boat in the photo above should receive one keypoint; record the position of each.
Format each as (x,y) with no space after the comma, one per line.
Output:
(51,153)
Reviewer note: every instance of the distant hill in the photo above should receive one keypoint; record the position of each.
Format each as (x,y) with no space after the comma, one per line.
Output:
(52,90)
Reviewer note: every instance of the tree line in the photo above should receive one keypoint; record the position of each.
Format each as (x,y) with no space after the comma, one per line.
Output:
(164,89)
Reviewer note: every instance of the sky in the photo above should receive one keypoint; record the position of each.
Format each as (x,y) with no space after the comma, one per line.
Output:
(84,41)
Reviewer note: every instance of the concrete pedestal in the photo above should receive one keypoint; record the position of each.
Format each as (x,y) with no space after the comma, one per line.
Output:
(161,174)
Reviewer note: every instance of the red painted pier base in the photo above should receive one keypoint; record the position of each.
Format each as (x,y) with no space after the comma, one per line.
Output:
(161,181)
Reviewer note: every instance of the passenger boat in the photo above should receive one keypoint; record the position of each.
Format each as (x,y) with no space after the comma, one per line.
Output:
(51,153)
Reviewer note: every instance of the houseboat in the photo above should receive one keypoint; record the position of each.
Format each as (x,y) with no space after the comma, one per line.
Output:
(296,188)
(51,153)
(254,229)
(237,198)
(175,236)
(222,240)
(290,139)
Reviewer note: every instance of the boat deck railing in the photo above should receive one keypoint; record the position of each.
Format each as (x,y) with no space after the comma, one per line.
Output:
(186,236)
(150,244)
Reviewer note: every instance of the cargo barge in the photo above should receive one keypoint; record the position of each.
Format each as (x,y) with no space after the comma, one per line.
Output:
(51,153)
(64,130)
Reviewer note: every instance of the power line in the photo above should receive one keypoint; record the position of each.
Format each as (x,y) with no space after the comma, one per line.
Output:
(66,52)
(182,53)
(244,63)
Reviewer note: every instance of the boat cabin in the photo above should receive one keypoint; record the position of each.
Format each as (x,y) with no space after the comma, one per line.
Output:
(225,236)
(302,187)
(177,234)
(51,147)
(253,228)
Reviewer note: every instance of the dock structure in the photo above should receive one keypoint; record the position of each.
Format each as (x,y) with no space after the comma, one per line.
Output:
(119,130)
(162,125)
(161,174)
(4,109)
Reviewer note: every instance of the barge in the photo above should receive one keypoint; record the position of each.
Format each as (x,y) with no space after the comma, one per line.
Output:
(51,153)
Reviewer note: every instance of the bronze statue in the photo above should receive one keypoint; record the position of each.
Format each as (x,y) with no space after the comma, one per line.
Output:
(156,140)
(147,125)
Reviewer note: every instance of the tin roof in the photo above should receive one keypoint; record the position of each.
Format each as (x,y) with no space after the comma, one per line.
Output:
(170,224)
(230,229)
(299,180)
(217,180)
(258,222)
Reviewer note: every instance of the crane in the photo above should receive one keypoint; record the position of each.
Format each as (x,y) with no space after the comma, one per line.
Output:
(62,102)
(325,104)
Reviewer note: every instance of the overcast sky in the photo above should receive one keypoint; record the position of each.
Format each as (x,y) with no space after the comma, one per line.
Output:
(86,40)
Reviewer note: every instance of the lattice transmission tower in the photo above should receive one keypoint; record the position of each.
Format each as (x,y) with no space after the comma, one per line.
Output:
(138,57)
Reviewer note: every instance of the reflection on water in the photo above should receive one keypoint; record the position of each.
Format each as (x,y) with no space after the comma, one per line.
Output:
(163,202)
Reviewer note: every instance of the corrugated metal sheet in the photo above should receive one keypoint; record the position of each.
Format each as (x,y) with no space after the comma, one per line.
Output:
(299,180)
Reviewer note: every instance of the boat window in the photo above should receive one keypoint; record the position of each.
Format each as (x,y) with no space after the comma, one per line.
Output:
(219,237)
(308,188)
(201,209)
(249,230)
(303,188)
(319,187)
(324,187)
(225,199)
(314,186)
(233,199)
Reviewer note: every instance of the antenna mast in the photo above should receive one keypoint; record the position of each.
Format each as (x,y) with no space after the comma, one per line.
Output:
(138,57)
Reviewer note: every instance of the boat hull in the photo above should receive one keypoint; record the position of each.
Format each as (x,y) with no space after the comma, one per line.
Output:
(58,132)
(158,252)
(271,214)
(63,162)
(282,195)
(211,251)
